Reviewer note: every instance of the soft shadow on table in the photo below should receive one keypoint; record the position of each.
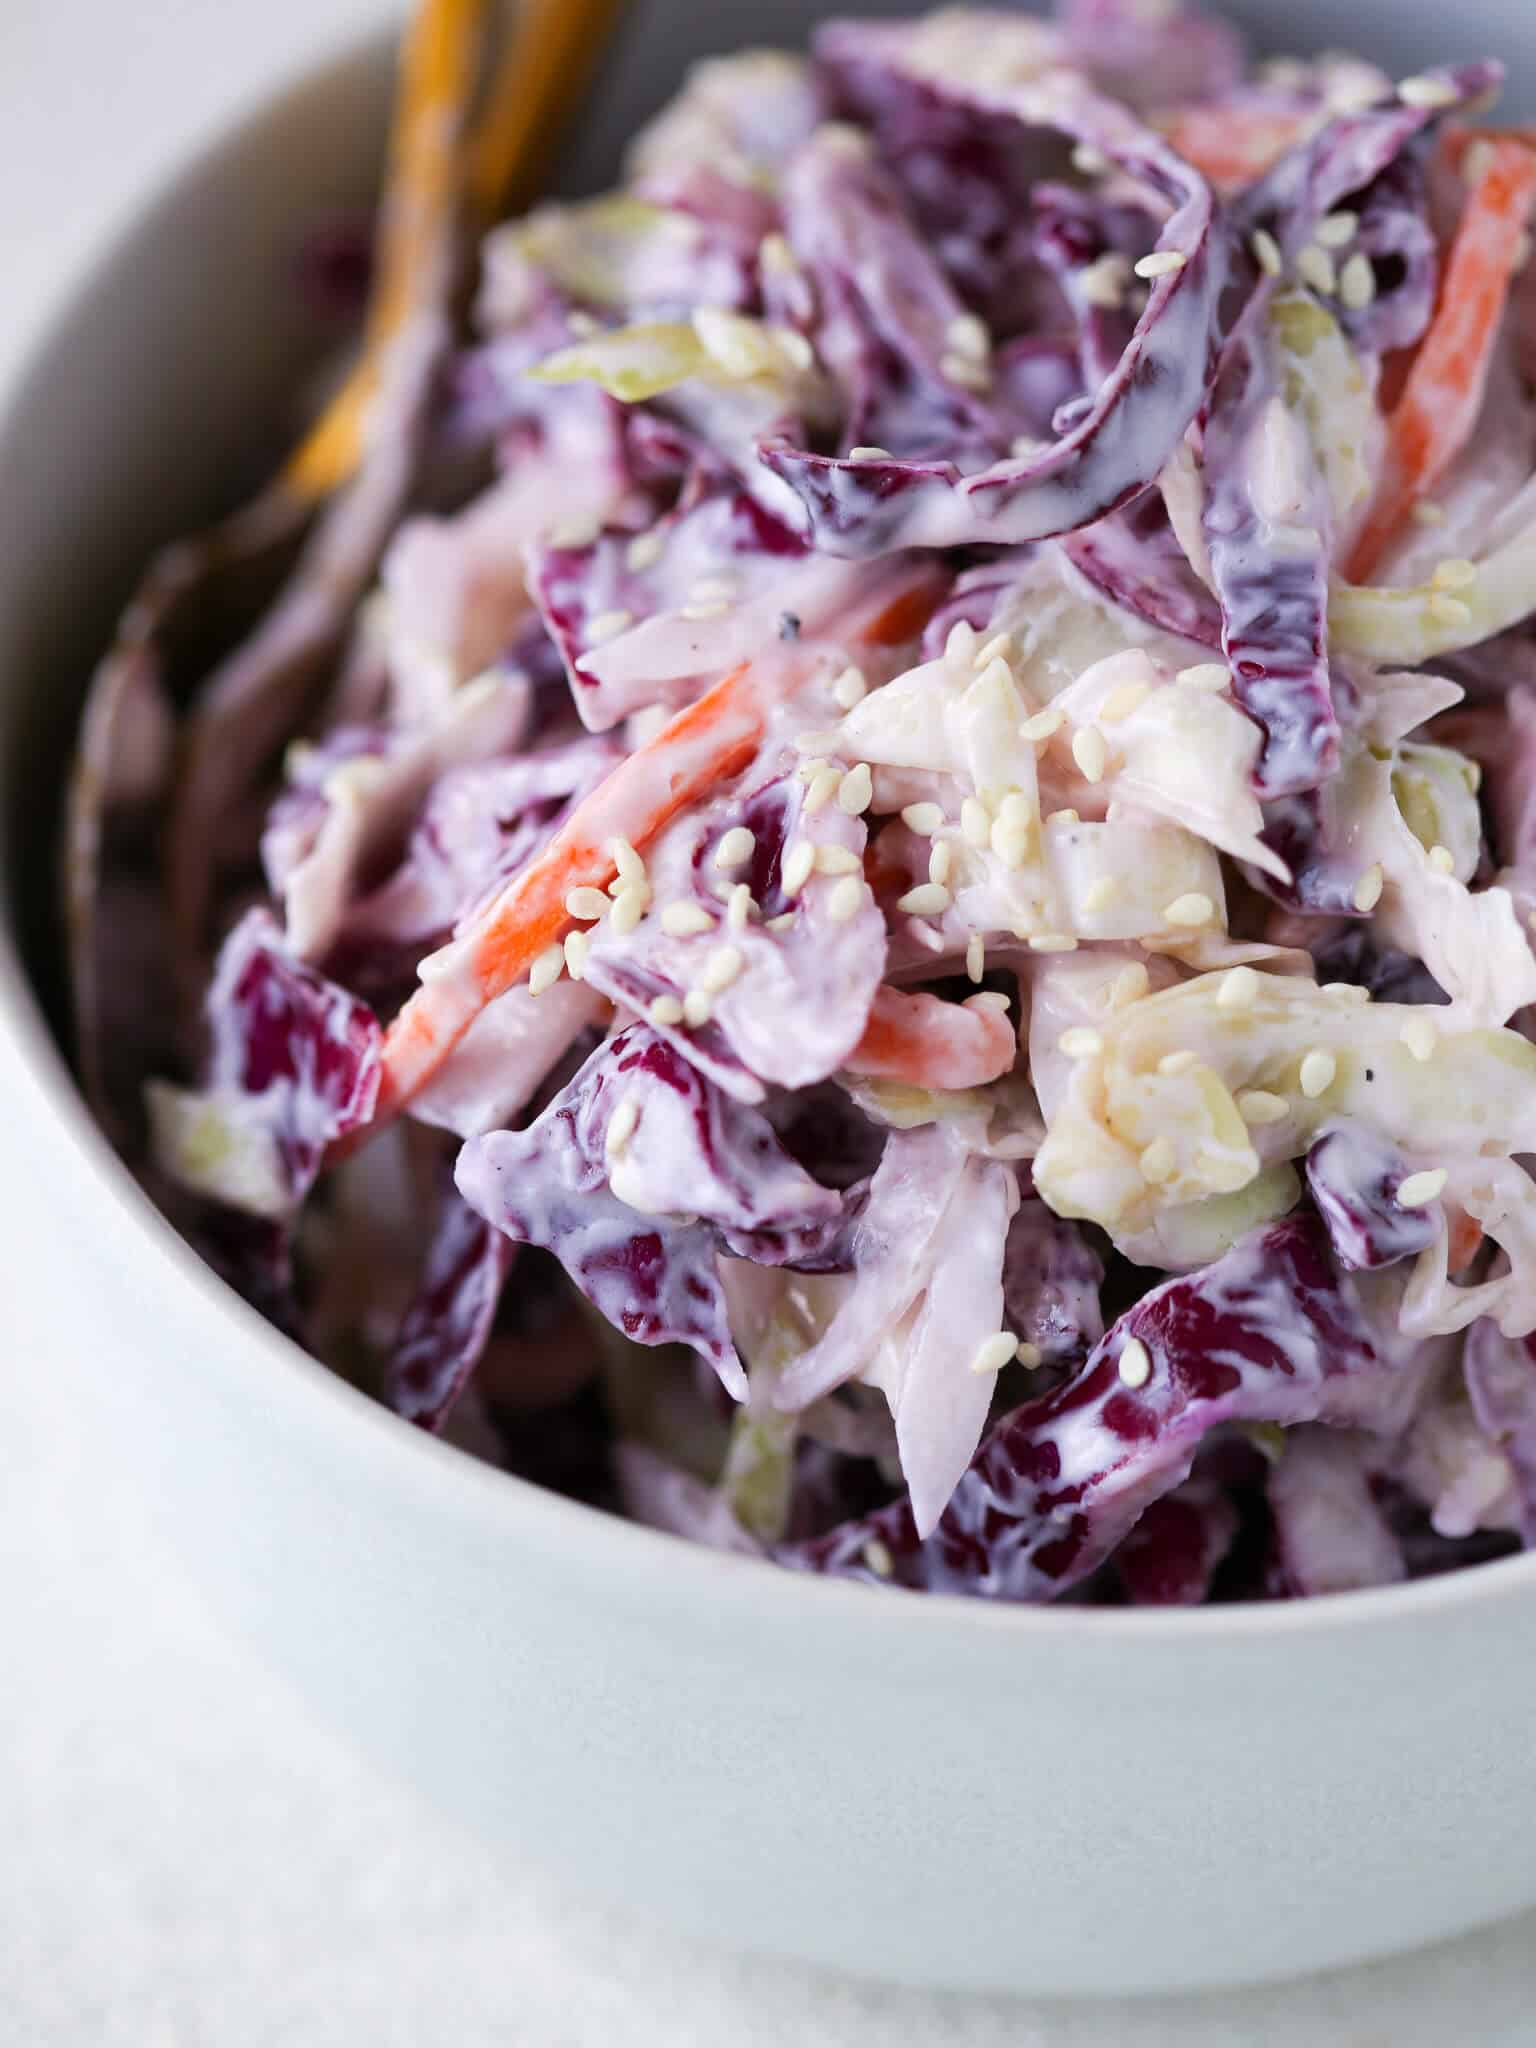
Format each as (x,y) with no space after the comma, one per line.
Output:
(190,1859)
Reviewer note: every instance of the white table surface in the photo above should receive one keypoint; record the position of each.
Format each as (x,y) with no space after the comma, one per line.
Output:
(187,1859)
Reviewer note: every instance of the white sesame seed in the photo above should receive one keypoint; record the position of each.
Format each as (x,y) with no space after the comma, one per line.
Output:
(1064,817)
(857,791)
(1103,282)
(1448,611)
(1426,92)
(1023,446)
(624,857)
(587,904)
(721,968)
(1175,1063)
(1011,844)
(736,847)
(546,970)
(1129,985)
(629,906)
(706,608)
(1121,702)
(1205,675)
(995,1352)
(849,688)
(1135,1363)
(1478,162)
(1420,1189)
(1239,989)
(644,552)
(621,1127)
(698,1008)
(1192,910)
(965,371)
(577,946)
(941,860)
(1161,263)
(838,860)
(608,626)
(1314,266)
(1158,1162)
(1428,513)
(1318,1070)
(739,907)
(870,451)
(969,336)
(878,1558)
(975,822)
(799,866)
(976,956)
(998,648)
(1369,887)
(991,999)
(1258,1106)
(1101,895)
(1043,726)
(682,920)
(1053,942)
(846,899)
(1266,253)
(1357,282)
(1080,1042)
(1030,1355)
(1090,161)
(1090,753)
(582,325)
(574,533)
(824,786)
(923,819)
(665,1010)
(1420,1037)
(928,899)
(781,923)
(1337,229)
(706,589)
(1454,573)
(817,742)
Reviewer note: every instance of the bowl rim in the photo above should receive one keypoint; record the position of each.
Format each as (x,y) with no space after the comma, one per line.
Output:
(360,1427)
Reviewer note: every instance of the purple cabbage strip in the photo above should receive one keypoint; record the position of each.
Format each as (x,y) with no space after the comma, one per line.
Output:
(1501,1379)
(1153,57)
(302,1054)
(1174,1552)
(1272,588)
(1133,558)
(1395,235)
(1354,1176)
(801,1000)
(1139,413)
(1268,1333)
(1074,231)
(636,1211)
(447,1322)
(1051,1281)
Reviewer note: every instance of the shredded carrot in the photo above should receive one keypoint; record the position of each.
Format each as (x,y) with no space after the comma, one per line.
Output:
(1233,150)
(706,743)
(931,1043)
(1466,1235)
(1442,393)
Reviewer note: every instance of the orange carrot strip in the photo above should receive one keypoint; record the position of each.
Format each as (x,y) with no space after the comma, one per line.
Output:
(1233,150)
(706,743)
(1443,392)
(930,1043)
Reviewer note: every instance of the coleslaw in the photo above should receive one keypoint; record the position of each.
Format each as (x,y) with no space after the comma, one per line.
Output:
(871,897)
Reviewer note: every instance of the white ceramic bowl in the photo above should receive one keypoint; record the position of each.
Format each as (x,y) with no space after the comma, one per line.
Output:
(928,1790)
